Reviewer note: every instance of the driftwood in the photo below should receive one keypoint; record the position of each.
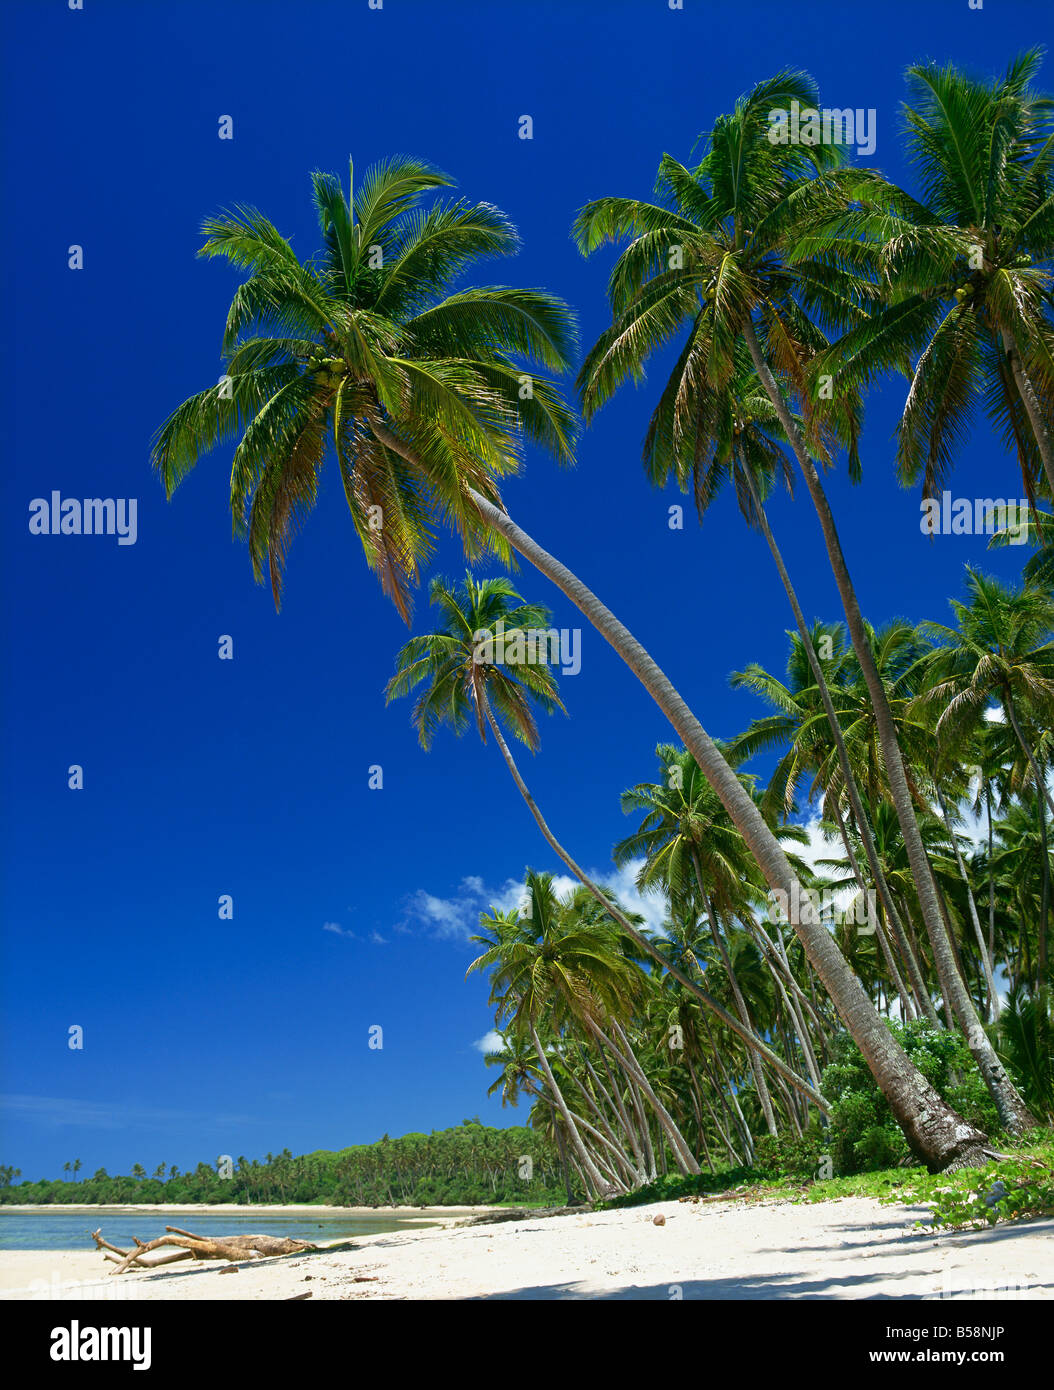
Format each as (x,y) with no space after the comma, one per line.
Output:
(732,1195)
(491,1218)
(229,1248)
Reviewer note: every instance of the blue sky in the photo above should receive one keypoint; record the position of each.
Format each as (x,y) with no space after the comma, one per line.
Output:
(250,777)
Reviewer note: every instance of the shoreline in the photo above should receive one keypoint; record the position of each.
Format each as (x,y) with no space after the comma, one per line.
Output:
(846,1249)
(229,1208)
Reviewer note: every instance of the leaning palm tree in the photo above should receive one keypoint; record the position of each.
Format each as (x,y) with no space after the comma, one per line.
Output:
(691,850)
(521,1010)
(735,437)
(440,398)
(802,732)
(467,679)
(561,965)
(363,343)
(1001,651)
(715,265)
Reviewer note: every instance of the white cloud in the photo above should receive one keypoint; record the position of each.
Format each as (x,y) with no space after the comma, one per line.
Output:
(378,939)
(622,882)
(819,845)
(489,1042)
(338,930)
(456,918)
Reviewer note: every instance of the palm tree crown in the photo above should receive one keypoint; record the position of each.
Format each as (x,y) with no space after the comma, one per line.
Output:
(366,348)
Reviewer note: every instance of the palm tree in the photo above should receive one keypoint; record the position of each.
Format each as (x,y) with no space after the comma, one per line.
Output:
(1025,1042)
(434,413)
(966,269)
(733,223)
(360,344)
(1021,866)
(805,732)
(520,1074)
(418,391)
(736,437)
(538,968)
(691,849)
(467,679)
(1002,650)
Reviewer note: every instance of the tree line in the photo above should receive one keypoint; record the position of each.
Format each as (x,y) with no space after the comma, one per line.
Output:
(466,1165)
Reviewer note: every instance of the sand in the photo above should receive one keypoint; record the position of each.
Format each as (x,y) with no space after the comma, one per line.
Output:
(846,1249)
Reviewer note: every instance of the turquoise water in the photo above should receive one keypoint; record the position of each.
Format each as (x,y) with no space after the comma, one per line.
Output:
(71,1230)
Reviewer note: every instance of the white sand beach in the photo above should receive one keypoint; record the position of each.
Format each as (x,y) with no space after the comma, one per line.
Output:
(851,1248)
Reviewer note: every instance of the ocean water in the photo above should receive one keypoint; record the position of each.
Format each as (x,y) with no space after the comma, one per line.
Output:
(57,1229)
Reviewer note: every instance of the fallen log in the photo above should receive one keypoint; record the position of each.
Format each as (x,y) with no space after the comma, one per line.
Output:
(106,1247)
(229,1248)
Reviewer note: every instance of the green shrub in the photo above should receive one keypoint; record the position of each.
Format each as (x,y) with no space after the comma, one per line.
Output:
(863,1135)
(790,1157)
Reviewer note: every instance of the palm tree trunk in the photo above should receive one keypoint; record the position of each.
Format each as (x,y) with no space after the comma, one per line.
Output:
(734,1157)
(1007,701)
(852,790)
(741,1005)
(612,1185)
(801,1030)
(991,878)
(636,1101)
(779,967)
(986,963)
(935,1133)
(627,1059)
(614,1158)
(796,1001)
(562,1148)
(1035,415)
(729,1097)
(1013,1113)
(907,945)
(602,1129)
(906,1003)
(697,1110)
(618,1109)
(792,1112)
(589,1168)
(627,926)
